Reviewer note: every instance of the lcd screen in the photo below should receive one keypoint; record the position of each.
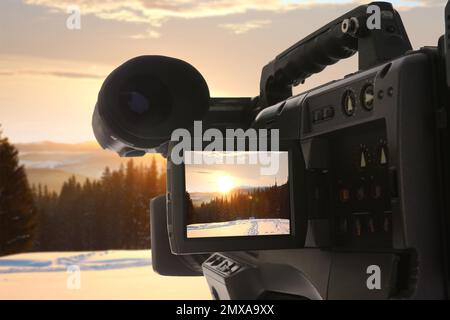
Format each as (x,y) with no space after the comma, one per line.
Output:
(231,194)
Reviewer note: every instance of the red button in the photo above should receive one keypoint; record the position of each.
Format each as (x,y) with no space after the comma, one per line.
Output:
(344,195)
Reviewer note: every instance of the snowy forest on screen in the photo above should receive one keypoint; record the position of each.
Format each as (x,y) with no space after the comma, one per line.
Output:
(271,202)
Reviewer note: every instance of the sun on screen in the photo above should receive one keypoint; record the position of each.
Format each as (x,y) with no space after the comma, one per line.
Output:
(225,184)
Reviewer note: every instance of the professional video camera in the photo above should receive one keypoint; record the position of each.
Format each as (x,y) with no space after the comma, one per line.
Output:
(359,208)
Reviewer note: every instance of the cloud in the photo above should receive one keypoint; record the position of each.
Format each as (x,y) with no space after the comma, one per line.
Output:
(47,164)
(204,172)
(61,74)
(148,34)
(155,12)
(240,28)
(432,2)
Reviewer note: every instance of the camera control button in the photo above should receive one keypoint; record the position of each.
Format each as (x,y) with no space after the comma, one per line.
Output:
(390,91)
(349,102)
(387,223)
(371,225)
(358,227)
(343,225)
(361,193)
(328,113)
(318,115)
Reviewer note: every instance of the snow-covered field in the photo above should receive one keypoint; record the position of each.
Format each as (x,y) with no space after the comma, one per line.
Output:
(102,275)
(247,227)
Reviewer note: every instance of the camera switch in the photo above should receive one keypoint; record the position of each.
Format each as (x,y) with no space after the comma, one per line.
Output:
(358,227)
(360,193)
(371,225)
(318,115)
(328,113)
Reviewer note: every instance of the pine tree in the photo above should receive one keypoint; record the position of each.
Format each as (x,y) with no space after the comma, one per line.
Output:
(109,213)
(152,178)
(17,210)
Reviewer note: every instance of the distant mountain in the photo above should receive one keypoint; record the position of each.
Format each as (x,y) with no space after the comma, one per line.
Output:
(50,162)
(57,146)
(199,197)
(52,178)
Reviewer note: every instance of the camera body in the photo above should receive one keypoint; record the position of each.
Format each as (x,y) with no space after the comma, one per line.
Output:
(366,195)
(370,170)
(369,190)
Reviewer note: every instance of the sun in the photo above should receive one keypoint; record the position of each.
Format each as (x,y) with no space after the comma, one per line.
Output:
(225,183)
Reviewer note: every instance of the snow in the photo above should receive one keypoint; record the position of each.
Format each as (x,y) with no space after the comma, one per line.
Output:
(246,227)
(103,275)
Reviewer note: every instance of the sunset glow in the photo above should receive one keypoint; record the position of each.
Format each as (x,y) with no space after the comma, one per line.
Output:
(61,74)
(225,184)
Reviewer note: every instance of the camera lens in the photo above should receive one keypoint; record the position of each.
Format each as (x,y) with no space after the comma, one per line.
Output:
(137,102)
(144,101)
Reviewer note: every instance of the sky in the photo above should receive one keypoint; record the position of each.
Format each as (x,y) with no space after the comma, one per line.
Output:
(235,172)
(50,75)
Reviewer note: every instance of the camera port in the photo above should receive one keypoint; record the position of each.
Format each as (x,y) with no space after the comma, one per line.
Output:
(367,97)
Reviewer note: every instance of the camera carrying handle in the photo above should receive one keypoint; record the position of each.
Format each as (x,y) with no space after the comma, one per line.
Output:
(337,40)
